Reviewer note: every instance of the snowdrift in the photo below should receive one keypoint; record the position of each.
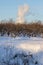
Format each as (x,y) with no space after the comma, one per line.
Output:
(21,51)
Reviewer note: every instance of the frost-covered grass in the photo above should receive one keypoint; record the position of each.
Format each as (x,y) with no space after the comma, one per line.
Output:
(21,51)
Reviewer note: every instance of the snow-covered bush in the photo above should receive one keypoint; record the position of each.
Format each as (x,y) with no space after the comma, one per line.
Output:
(8,56)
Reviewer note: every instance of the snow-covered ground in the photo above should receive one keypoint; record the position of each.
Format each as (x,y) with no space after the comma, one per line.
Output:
(10,46)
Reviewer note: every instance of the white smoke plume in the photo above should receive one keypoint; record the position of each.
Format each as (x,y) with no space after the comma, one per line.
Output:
(22,11)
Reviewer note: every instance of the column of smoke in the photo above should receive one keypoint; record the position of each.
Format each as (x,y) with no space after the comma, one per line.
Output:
(22,11)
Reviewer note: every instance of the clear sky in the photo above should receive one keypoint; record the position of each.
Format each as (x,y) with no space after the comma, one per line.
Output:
(9,8)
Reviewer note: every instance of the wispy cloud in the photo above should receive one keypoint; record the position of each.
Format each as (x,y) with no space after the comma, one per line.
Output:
(22,11)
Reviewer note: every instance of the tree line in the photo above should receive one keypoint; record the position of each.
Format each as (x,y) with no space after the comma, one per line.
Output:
(21,29)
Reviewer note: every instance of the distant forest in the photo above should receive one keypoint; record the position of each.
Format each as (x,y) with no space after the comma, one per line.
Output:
(30,29)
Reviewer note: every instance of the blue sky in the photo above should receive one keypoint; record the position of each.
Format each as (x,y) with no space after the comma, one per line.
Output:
(9,9)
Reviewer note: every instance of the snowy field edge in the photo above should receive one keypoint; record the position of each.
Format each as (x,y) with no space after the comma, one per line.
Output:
(21,48)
